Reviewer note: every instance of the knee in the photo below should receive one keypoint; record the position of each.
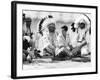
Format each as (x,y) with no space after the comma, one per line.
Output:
(84,50)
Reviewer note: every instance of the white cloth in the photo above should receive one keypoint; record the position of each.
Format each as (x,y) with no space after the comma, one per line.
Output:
(47,22)
(82,18)
(73,37)
(46,40)
(62,42)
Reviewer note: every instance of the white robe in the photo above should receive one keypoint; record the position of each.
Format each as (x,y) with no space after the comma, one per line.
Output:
(46,40)
(62,42)
(73,37)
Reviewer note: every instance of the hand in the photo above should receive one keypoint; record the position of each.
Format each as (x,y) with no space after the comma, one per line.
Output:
(75,50)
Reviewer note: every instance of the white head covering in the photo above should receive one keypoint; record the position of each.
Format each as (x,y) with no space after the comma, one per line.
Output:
(47,22)
(82,19)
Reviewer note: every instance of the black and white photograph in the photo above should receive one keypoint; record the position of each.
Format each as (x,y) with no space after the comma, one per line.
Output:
(54,39)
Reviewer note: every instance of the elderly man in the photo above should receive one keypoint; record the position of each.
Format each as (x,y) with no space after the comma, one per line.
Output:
(48,40)
(78,34)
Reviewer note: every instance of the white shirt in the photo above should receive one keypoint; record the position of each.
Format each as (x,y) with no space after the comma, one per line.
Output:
(62,41)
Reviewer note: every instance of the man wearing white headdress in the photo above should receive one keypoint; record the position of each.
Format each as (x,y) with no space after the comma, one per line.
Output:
(47,43)
(81,25)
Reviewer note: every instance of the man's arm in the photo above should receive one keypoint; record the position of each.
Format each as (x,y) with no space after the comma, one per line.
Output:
(80,45)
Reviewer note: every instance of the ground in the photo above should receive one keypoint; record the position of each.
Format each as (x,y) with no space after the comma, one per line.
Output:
(49,63)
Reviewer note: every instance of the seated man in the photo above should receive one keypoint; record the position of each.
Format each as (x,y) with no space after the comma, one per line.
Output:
(79,39)
(48,40)
(62,50)
(50,48)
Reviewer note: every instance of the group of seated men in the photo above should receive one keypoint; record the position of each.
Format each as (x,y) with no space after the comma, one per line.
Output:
(71,41)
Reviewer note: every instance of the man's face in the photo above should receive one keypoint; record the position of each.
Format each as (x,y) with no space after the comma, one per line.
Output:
(51,27)
(81,31)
